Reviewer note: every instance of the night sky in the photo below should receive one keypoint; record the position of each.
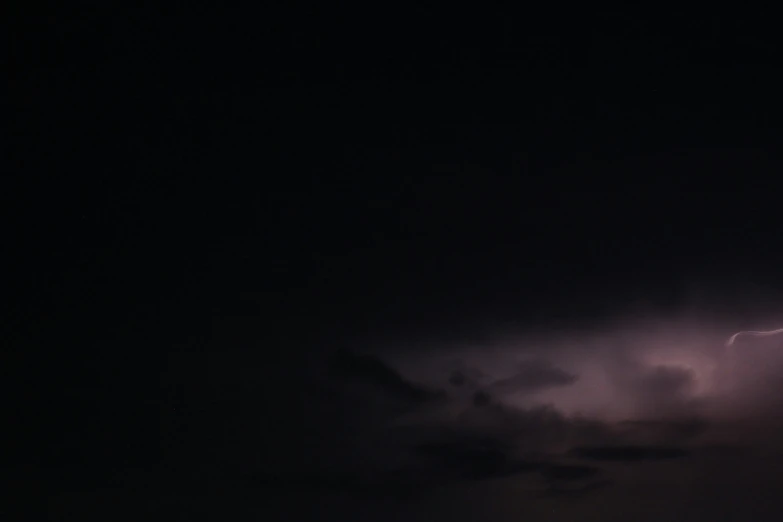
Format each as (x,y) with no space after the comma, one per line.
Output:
(354,264)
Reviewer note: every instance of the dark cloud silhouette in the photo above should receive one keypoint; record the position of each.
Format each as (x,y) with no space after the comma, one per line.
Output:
(538,428)
(671,431)
(482,458)
(724,450)
(475,459)
(457,378)
(655,390)
(572,481)
(372,370)
(532,376)
(470,372)
(629,453)
(568,473)
(665,380)
(570,491)
(481,399)
(399,485)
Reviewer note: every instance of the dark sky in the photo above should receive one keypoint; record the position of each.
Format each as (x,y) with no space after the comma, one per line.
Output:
(242,242)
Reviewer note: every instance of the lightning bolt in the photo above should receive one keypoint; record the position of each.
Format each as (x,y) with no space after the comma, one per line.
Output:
(754,333)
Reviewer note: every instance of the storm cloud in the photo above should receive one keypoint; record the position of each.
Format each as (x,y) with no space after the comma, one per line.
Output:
(532,376)
(572,417)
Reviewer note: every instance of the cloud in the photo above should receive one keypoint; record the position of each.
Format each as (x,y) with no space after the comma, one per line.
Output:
(532,376)
(629,453)
(397,485)
(352,439)
(458,379)
(667,381)
(465,376)
(568,473)
(535,429)
(372,370)
(579,491)
(665,431)
(481,399)
(474,458)
(580,417)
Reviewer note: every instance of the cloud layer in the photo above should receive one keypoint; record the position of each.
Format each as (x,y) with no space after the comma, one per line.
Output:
(567,418)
